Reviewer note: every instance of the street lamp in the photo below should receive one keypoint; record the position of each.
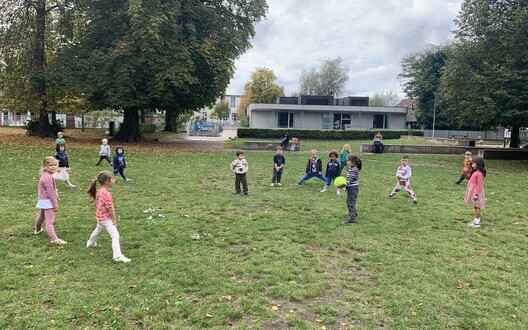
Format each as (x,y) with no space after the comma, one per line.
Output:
(434,117)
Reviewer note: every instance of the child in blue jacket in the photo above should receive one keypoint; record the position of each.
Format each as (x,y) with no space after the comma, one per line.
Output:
(120,162)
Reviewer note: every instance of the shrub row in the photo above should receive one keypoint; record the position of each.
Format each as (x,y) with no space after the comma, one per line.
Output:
(321,134)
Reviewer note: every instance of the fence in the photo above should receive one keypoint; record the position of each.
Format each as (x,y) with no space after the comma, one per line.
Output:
(468,135)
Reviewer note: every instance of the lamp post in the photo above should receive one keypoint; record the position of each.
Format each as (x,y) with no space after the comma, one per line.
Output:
(434,117)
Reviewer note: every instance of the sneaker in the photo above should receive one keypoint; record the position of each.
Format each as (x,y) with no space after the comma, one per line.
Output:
(238,195)
(59,241)
(89,246)
(246,194)
(279,184)
(273,185)
(338,191)
(391,195)
(71,186)
(324,189)
(127,179)
(414,201)
(457,182)
(36,232)
(122,258)
(347,222)
(474,224)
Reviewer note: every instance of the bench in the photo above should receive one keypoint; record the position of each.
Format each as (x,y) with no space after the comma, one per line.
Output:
(270,145)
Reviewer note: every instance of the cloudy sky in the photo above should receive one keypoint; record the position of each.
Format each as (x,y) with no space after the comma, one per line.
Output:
(371,36)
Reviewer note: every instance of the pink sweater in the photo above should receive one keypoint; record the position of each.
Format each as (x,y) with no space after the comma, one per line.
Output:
(47,190)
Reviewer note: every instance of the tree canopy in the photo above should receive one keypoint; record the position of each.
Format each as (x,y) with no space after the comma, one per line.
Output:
(386,99)
(329,79)
(260,89)
(486,77)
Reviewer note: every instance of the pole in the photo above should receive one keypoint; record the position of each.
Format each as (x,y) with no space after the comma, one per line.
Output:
(434,117)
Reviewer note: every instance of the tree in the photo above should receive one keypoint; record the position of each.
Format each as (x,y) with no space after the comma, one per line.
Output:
(260,89)
(330,79)
(221,110)
(31,33)
(175,55)
(420,78)
(387,99)
(486,77)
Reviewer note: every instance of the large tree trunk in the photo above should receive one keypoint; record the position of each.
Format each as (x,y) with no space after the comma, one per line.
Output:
(171,124)
(38,78)
(129,130)
(514,137)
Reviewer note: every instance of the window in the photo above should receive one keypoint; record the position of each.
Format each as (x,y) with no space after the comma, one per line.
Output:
(380,121)
(233,101)
(234,116)
(285,120)
(342,121)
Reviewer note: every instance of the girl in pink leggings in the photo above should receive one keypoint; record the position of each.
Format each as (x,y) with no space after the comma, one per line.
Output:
(48,199)
(105,213)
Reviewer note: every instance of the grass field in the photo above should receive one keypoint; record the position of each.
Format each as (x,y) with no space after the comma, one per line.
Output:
(277,259)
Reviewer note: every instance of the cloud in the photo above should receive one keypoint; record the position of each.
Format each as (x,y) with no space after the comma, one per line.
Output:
(370,36)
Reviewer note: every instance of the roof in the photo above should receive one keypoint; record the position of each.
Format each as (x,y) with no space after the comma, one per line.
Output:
(410,105)
(325,108)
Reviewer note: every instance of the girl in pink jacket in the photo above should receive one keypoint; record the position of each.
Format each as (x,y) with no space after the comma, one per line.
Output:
(475,190)
(48,199)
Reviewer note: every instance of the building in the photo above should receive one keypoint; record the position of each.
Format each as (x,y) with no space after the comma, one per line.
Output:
(410,119)
(204,114)
(326,112)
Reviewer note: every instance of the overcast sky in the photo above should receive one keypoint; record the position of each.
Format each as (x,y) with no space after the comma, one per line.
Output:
(371,36)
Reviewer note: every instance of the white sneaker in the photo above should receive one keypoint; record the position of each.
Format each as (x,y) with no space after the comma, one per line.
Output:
(122,258)
(59,241)
(474,224)
(338,191)
(324,189)
(71,186)
(36,232)
(273,185)
(278,184)
(89,246)
(127,179)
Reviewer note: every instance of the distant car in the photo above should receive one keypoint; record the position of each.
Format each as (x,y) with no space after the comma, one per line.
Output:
(525,145)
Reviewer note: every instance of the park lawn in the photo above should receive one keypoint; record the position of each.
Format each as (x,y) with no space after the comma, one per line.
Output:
(279,258)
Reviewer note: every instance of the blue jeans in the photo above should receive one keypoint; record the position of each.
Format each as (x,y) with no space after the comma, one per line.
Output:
(121,171)
(311,175)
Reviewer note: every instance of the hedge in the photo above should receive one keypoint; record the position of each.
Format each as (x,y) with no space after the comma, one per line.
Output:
(321,134)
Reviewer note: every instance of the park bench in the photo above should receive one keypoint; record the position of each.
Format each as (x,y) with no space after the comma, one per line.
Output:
(270,145)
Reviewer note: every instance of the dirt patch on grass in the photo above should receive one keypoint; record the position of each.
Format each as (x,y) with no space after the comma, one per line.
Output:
(91,139)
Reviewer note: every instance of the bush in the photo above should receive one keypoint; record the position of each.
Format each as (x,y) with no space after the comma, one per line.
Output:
(244,121)
(147,128)
(321,134)
(33,125)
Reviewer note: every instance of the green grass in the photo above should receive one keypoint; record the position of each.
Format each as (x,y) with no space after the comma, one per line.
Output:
(277,259)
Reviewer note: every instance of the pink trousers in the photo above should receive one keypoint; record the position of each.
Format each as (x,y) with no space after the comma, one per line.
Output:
(49,216)
(111,229)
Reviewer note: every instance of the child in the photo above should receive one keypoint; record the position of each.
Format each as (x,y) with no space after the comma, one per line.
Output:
(466,170)
(332,171)
(475,190)
(105,213)
(278,164)
(120,162)
(240,167)
(314,168)
(60,139)
(104,152)
(48,199)
(63,172)
(352,187)
(403,174)
(343,157)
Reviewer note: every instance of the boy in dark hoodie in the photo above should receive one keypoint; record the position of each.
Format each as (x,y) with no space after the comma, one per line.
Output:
(120,163)
(314,168)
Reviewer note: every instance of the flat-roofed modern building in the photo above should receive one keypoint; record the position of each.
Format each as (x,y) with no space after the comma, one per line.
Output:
(325,112)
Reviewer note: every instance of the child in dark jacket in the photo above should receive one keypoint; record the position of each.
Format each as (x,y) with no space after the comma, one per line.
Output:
(120,162)
(333,170)
(278,166)
(352,187)
(314,168)
(63,173)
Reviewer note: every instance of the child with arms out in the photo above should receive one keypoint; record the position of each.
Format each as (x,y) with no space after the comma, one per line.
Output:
(278,165)
(314,168)
(475,190)
(332,171)
(105,213)
(240,166)
(48,199)
(403,174)
(352,187)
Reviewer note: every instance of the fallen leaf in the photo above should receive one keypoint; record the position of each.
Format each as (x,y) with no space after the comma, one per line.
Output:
(228,298)
(131,286)
(318,320)
(208,315)
(275,308)
(116,308)
(413,313)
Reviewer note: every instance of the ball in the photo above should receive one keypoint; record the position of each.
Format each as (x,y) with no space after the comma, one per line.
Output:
(339,181)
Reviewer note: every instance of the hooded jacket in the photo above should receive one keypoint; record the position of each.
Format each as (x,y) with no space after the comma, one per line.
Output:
(119,160)
(61,156)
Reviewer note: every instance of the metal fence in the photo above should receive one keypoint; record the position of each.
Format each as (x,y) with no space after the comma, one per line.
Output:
(469,135)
